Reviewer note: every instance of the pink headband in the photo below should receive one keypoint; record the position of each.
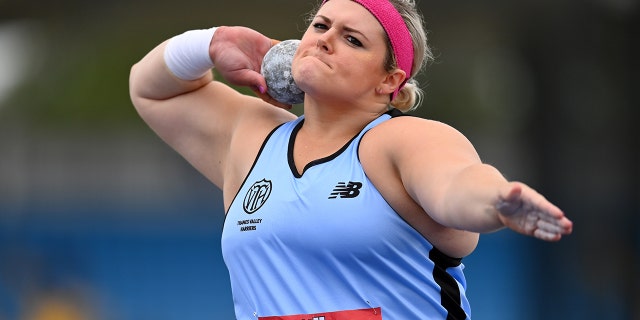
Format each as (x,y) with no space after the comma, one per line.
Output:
(396,30)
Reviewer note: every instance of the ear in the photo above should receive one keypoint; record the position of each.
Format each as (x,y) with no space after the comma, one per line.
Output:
(392,81)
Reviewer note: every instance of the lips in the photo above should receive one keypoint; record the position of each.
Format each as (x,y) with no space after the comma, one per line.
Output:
(321,59)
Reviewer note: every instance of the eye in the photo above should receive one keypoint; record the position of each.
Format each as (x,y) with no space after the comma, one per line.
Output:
(320,26)
(354,41)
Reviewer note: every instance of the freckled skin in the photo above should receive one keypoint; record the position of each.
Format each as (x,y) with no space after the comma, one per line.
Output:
(276,69)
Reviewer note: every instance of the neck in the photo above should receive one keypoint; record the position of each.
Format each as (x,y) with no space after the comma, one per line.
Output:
(338,121)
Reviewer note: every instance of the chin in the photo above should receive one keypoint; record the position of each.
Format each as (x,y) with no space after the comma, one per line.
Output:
(306,74)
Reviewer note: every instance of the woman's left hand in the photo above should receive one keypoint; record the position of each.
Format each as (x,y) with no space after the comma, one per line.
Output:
(528,212)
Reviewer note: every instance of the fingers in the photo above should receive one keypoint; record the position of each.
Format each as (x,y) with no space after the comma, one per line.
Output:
(526,211)
(246,78)
(549,227)
(267,98)
(546,236)
(552,230)
(260,89)
(256,83)
(539,224)
(513,192)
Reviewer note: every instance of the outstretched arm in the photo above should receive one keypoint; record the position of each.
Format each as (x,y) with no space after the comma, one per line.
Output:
(480,199)
(442,172)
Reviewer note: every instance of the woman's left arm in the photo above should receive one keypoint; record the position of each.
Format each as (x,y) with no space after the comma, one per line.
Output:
(443,173)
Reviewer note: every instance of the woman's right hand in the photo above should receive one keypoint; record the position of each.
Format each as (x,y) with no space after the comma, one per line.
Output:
(237,53)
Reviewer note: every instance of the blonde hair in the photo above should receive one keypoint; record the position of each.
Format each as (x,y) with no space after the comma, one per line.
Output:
(411,95)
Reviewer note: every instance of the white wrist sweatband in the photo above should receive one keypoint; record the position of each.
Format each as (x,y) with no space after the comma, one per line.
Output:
(187,54)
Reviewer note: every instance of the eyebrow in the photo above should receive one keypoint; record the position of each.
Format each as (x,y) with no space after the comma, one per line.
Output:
(346,28)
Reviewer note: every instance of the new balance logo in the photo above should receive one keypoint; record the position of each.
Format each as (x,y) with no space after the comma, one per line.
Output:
(346,190)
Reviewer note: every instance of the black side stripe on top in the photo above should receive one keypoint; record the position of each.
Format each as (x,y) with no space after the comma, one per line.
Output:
(449,291)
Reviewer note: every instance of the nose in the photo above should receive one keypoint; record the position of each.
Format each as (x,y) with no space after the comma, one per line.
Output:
(324,43)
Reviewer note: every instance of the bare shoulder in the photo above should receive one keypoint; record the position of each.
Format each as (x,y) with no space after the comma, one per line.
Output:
(416,147)
(414,134)
(408,126)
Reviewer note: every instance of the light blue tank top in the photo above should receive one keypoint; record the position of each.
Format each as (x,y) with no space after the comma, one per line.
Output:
(326,242)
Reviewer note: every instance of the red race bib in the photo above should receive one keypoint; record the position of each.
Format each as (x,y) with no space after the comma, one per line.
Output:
(361,314)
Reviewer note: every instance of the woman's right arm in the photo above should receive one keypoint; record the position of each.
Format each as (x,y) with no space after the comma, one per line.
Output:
(200,117)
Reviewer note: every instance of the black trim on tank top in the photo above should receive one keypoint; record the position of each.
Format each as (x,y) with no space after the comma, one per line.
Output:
(292,164)
(255,161)
(449,290)
(393,112)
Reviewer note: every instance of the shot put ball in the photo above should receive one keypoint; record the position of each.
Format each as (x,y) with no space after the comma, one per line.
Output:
(276,69)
